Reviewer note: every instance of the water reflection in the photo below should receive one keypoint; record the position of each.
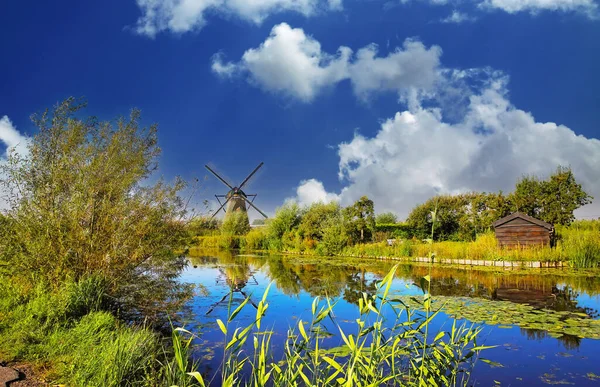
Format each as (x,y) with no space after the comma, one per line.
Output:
(348,278)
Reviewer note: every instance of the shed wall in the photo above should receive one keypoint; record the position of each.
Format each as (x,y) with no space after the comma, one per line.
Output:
(522,232)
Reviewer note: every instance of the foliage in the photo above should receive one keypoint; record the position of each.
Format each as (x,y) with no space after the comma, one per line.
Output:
(553,200)
(386,218)
(236,223)
(334,237)
(582,248)
(63,328)
(315,218)
(380,352)
(78,207)
(459,217)
(359,220)
(256,239)
(88,249)
(395,230)
(286,219)
(203,225)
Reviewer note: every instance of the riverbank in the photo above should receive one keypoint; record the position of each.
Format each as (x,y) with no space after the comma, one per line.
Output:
(575,249)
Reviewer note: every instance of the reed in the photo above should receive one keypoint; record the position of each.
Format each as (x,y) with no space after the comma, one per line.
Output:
(390,345)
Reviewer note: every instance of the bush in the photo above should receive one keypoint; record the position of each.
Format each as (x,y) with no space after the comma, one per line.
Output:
(78,208)
(236,223)
(256,239)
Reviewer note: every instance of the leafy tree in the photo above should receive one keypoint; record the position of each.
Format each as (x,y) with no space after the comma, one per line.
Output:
(236,223)
(80,205)
(259,222)
(459,217)
(359,220)
(528,196)
(286,219)
(562,196)
(334,237)
(553,200)
(386,218)
(316,217)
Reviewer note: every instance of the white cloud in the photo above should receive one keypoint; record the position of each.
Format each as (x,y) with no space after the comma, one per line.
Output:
(292,63)
(13,141)
(416,155)
(512,6)
(412,67)
(11,137)
(312,191)
(457,17)
(180,16)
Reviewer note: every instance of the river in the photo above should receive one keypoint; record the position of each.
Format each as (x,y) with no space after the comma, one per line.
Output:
(544,322)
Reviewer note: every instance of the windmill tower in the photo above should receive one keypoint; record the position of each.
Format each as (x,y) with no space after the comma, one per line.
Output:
(236,199)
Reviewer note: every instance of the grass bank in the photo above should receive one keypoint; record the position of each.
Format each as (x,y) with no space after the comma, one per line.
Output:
(70,337)
(577,245)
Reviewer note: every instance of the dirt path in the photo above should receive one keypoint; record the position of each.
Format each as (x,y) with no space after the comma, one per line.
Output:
(19,375)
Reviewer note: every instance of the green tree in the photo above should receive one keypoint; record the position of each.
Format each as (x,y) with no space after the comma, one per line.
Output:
(553,200)
(286,219)
(528,196)
(359,220)
(334,238)
(562,196)
(316,217)
(386,218)
(236,223)
(80,204)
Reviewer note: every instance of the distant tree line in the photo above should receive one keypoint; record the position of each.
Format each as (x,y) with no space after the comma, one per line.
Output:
(463,216)
(328,228)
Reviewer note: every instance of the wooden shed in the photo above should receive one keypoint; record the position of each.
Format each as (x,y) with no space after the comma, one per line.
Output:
(520,229)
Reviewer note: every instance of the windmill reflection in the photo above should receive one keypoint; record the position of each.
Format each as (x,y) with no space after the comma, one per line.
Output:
(237,278)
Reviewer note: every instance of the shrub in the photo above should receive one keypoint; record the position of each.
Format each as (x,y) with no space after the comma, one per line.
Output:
(236,223)
(256,239)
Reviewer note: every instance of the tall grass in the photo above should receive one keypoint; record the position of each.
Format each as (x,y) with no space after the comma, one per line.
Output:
(582,247)
(390,345)
(72,339)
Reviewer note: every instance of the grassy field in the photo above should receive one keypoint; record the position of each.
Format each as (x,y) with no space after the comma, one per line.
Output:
(578,245)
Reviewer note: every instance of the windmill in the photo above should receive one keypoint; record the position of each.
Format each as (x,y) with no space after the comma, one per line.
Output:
(236,199)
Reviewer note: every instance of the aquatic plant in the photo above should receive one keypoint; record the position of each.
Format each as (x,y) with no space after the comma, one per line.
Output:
(507,313)
(390,346)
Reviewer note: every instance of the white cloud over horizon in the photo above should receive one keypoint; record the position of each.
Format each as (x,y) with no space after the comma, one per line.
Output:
(460,131)
(181,16)
(417,154)
(292,63)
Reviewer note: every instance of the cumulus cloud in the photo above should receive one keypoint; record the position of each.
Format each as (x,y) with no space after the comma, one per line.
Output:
(416,155)
(312,191)
(292,63)
(180,16)
(11,138)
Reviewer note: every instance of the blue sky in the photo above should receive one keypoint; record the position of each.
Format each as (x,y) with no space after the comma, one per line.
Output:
(393,99)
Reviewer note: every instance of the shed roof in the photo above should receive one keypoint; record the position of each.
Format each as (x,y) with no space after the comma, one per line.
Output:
(523,216)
